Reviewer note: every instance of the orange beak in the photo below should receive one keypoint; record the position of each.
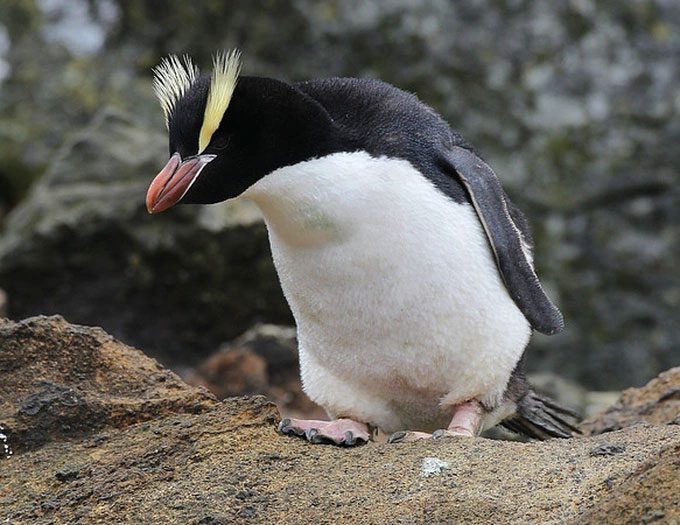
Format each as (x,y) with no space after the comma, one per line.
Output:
(173,181)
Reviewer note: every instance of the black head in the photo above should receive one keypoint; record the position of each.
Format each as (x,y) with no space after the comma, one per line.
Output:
(222,142)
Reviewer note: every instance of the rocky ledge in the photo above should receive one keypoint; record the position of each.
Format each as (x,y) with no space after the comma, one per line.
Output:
(95,432)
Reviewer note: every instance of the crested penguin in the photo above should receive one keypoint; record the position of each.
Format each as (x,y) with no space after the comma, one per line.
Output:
(407,268)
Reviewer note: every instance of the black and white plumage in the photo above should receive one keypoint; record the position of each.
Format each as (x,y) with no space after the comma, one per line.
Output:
(407,269)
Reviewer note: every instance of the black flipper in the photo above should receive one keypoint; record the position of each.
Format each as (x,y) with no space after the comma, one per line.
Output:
(505,238)
(541,418)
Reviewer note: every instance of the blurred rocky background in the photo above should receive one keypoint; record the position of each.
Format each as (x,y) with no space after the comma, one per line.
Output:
(576,104)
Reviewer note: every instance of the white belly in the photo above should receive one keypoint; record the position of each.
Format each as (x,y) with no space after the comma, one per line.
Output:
(400,309)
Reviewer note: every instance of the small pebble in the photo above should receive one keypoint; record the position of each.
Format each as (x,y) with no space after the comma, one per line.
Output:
(67,474)
(607,449)
(652,516)
(432,467)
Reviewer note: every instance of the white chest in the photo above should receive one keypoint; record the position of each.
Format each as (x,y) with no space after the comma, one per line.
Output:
(392,285)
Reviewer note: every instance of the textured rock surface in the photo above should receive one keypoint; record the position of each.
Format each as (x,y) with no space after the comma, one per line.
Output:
(658,403)
(60,382)
(230,466)
(637,499)
(225,463)
(574,103)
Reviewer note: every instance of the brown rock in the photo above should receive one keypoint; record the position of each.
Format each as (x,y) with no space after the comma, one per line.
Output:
(226,463)
(60,381)
(658,403)
(231,373)
(264,360)
(648,495)
(229,465)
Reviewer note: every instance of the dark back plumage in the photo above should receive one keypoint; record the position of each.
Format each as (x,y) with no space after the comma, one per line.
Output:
(385,121)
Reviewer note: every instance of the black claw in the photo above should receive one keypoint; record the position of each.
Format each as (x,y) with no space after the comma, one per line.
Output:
(397,437)
(314,437)
(438,434)
(286,427)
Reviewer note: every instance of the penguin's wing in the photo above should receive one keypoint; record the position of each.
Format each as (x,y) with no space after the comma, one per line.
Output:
(505,238)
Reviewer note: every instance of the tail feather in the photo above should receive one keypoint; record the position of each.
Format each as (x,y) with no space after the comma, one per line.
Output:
(541,418)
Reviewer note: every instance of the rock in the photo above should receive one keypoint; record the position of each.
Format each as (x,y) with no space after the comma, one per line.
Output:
(607,449)
(433,467)
(226,463)
(264,360)
(639,498)
(60,382)
(657,403)
(597,402)
(230,466)
(230,373)
(105,261)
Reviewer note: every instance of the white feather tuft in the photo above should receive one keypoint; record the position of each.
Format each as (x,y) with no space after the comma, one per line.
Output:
(172,78)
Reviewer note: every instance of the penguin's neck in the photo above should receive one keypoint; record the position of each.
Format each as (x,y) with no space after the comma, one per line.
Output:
(325,200)
(298,221)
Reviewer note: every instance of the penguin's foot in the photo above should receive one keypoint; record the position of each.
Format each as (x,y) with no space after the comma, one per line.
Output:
(443,433)
(466,421)
(342,432)
(407,436)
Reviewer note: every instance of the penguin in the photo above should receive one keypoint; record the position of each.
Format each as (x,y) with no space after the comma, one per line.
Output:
(407,268)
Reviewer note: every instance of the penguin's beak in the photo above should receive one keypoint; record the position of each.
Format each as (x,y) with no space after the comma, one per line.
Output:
(174,180)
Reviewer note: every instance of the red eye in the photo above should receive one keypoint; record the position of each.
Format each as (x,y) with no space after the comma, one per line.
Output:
(220,141)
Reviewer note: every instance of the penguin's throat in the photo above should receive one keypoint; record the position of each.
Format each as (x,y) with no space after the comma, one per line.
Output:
(299,223)
(307,204)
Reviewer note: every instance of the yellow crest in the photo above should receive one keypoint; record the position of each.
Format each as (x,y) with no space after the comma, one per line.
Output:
(172,78)
(226,68)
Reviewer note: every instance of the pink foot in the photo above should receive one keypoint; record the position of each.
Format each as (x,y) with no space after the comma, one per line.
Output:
(345,432)
(466,421)
(407,436)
